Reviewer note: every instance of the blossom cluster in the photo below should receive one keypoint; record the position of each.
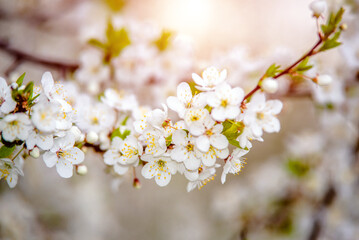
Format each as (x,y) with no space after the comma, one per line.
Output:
(36,120)
(213,116)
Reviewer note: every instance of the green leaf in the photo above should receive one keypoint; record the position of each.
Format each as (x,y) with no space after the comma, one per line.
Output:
(332,23)
(331,42)
(123,123)
(20,80)
(298,167)
(168,140)
(6,151)
(164,41)
(116,5)
(303,66)
(29,88)
(96,43)
(234,143)
(273,70)
(118,133)
(232,130)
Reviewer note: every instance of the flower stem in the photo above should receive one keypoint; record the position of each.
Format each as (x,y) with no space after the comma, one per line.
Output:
(17,154)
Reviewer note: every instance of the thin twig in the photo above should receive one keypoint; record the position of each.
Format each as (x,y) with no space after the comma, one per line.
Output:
(288,69)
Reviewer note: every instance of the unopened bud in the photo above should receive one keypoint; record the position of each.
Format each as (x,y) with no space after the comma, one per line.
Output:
(91,137)
(343,27)
(318,7)
(136,183)
(22,88)
(81,170)
(76,132)
(35,152)
(269,85)
(323,80)
(14,85)
(81,138)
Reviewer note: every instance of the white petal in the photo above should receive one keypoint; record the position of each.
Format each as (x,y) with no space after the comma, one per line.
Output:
(120,169)
(218,141)
(50,159)
(76,156)
(179,137)
(192,163)
(148,171)
(219,114)
(64,169)
(202,143)
(175,104)
(179,153)
(163,179)
(184,92)
(197,79)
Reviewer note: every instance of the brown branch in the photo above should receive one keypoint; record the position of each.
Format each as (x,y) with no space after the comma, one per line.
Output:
(287,70)
(21,56)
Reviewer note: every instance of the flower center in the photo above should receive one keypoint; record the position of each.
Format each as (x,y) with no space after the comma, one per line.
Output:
(189,147)
(224,103)
(260,115)
(209,132)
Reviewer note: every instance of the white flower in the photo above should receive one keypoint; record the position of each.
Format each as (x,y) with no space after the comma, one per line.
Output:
(155,142)
(246,137)
(44,115)
(15,126)
(64,155)
(334,93)
(123,154)
(260,115)
(54,92)
(45,141)
(269,85)
(185,100)
(161,168)
(211,77)
(92,67)
(194,119)
(318,7)
(212,136)
(234,163)
(94,116)
(119,100)
(7,104)
(225,102)
(124,151)
(184,150)
(9,170)
(209,158)
(205,175)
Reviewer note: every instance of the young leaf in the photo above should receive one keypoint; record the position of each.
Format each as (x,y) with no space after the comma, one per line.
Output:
(303,66)
(273,70)
(331,43)
(20,80)
(164,41)
(6,151)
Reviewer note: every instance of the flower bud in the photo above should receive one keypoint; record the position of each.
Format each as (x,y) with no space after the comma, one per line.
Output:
(81,170)
(14,85)
(22,88)
(81,138)
(91,137)
(343,27)
(318,7)
(269,85)
(323,80)
(77,133)
(136,183)
(35,152)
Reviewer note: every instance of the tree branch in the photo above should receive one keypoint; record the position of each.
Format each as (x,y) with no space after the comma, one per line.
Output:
(21,56)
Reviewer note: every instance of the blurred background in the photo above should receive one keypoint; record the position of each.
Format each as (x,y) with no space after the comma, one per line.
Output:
(301,183)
